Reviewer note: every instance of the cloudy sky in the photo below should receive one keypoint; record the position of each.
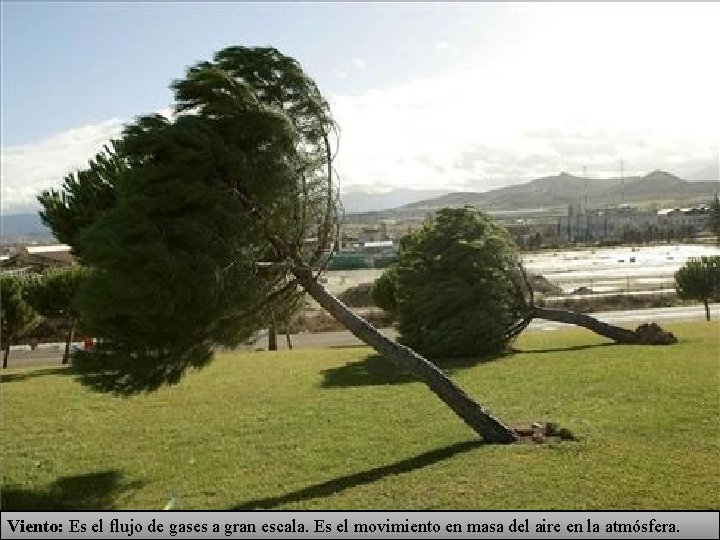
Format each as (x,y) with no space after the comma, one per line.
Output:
(466,96)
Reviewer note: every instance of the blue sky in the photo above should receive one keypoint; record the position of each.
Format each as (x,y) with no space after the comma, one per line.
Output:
(459,96)
(69,64)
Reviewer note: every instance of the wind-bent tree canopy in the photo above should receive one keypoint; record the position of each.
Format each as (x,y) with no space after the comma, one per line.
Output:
(699,279)
(456,287)
(83,196)
(459,290)
(16,315)
(52,294)
(213,216)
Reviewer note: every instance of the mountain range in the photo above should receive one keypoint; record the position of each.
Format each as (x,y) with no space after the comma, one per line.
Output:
(363,201)
(564,189)
(550,191)
(22,225)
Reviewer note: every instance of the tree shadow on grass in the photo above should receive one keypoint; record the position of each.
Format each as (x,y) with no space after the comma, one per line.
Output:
(337,485)
(32,373)
(376,370)
(92,491)
(563,349)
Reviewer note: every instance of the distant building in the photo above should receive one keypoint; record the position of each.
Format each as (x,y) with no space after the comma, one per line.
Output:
(37,258)
(691,217)
(379,246)
(612,223)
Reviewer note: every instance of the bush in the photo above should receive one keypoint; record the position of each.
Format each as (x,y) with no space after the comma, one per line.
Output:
(384,261)
(383,291)
(358,296)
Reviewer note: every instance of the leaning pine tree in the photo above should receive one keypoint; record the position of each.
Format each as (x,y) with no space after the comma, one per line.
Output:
(195,227)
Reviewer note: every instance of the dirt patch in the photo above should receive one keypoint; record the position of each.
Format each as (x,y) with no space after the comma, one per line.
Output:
(319,320)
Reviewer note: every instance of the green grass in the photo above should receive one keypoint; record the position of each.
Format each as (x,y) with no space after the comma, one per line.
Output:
(339,429)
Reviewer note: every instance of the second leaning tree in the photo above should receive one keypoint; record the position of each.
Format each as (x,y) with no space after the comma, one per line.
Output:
(195,227)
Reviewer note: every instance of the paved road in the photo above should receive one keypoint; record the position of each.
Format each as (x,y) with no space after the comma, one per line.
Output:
(629,318)
(51,355)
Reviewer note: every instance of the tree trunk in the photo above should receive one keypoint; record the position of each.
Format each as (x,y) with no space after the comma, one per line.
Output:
(7,351)
(616,333)
(707,308)
(482,422)
(287,336)
(272,334)
(68,342)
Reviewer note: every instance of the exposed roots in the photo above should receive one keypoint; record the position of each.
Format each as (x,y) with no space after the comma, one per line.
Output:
(542,432)
(653,334)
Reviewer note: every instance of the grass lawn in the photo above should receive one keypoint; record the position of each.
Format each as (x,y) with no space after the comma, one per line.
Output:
(339,429)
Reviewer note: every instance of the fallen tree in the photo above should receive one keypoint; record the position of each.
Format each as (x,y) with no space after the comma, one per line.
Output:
(459,289)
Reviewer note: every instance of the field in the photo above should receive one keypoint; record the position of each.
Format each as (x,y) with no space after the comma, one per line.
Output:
(338,428)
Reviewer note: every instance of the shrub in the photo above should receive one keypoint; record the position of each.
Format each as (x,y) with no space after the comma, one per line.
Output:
(358,296)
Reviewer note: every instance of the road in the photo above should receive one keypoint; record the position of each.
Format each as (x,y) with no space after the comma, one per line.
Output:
(50,354)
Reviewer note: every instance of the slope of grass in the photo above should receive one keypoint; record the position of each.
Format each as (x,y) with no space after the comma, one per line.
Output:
(338,428)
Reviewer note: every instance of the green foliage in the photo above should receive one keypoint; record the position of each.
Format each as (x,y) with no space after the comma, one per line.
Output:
(384,261)
(699,279)
(84,195)
(175,218)
(52,293)
(383,290)
(173,273)
(457,286)
(16,315)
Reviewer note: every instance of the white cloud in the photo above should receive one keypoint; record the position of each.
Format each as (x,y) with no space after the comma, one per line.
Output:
(446,48)
(360,64)
(582,88)
(29,169)
(572,92)
(559,87)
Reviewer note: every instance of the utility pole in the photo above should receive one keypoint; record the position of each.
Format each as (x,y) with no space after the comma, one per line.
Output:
(585,207)
(622,183)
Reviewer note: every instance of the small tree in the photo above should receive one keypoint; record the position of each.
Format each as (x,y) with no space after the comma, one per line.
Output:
(278,315)
(699,279)
(52,294)
(286,311)
(15,313)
